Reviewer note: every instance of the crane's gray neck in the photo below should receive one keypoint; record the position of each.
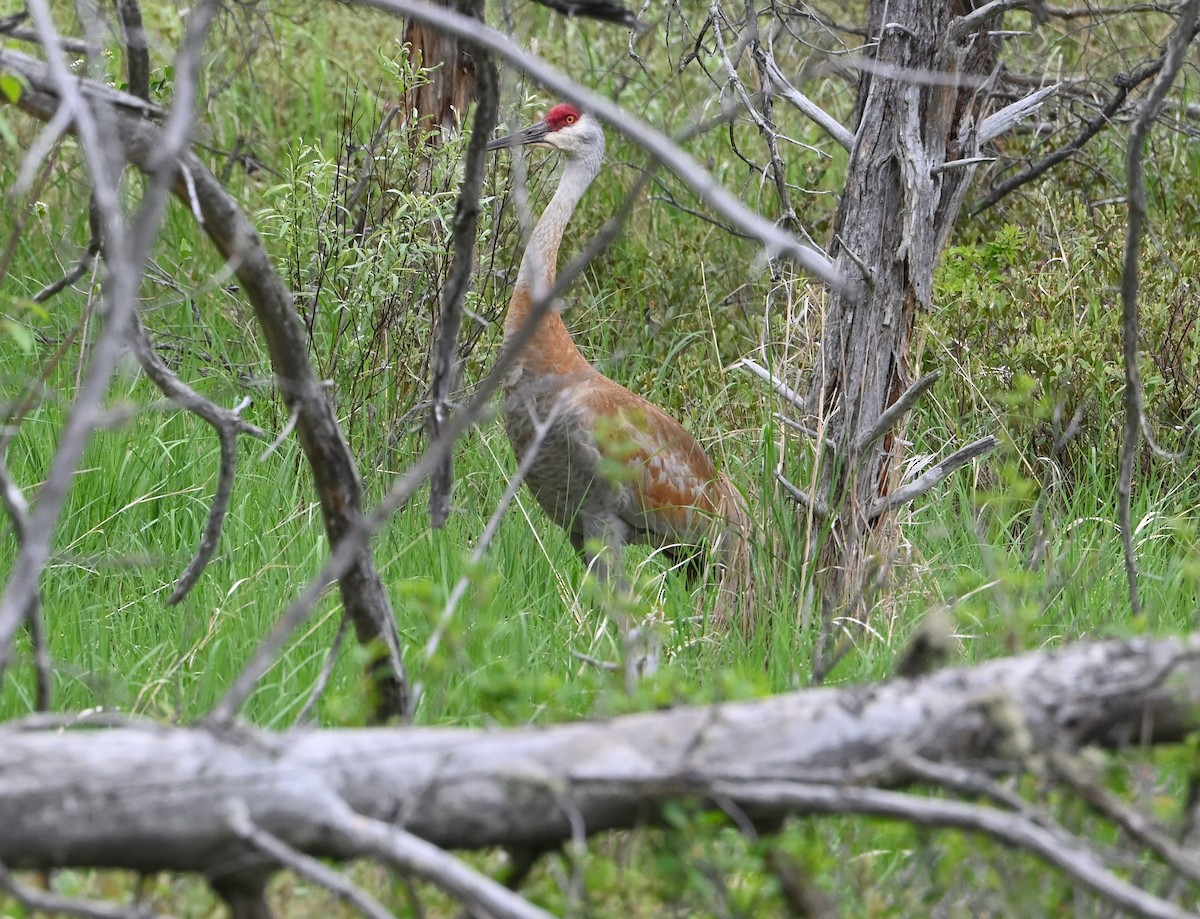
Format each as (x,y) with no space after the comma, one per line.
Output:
(539,267)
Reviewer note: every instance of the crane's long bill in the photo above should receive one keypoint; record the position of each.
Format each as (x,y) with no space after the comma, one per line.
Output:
(533,134)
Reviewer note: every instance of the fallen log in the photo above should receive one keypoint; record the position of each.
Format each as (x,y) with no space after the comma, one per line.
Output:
(159,798)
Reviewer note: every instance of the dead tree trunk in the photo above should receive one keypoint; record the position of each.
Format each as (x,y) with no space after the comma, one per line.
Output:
(436,105)
(919,101)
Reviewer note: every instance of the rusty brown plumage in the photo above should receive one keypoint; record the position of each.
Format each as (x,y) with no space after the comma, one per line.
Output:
(613,468)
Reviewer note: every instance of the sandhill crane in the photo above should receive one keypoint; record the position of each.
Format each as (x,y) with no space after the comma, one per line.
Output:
(613,468)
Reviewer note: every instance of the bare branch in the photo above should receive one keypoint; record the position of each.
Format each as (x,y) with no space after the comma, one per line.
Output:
(803,498)
(807,107)
(227,426)
(1003,121)
(894,412)
(1171,62)
(1059,849)
(962,27)
(414,855)
(781,388)
(466,218)
(934,476)
(1134,822)
(304,865)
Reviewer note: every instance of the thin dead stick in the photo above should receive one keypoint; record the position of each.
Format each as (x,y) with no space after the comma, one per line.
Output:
(1171,61)
(781,389)
(326,672)
(413,855)
(226,424)
(934,476)
(1138,825)
(466,219)
(897,410)
(1063,851)
(304,865)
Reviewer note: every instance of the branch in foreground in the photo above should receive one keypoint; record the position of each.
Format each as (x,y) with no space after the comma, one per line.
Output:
(143,798)
(466,218)
(1066,852)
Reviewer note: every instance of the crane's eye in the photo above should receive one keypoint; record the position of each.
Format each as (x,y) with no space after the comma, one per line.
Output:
(570,119)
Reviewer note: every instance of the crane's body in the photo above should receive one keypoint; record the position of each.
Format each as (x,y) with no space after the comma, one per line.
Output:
(612,468)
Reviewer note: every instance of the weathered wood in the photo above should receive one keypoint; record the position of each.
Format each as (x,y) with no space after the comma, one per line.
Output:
(152,798)
(919,104)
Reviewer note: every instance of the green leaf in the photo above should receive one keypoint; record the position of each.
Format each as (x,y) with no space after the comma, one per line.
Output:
(11,87)
(6,133)
(21,335)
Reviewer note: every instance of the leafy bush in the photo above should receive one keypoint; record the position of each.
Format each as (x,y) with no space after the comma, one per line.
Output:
(1044,302)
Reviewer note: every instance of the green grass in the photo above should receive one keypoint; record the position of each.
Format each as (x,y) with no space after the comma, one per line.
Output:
(667,306)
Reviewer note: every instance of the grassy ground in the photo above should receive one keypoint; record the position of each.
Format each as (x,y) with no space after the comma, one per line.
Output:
(663,311)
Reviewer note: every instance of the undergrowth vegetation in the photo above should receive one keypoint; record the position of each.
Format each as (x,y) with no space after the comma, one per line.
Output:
(356,208)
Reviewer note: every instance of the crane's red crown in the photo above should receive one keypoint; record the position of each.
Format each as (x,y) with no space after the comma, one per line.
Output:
(562,116)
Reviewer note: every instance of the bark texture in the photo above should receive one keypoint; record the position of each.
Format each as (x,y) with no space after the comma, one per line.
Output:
(439,103)
(919,108)
(151,798)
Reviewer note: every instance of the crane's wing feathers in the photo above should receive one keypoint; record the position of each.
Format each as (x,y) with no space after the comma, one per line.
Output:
(667,486)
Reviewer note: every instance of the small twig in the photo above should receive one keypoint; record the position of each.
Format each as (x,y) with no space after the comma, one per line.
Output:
(1007,118)
(282,436)
(863,269)
(933,476)
(81,267)
(466,217)
(413,855)
(963,26)
(304,865)
(540,430)
(227,425)
(803,498)
(88,718)
(326,671)
(960,164)
(781,388)
(608,666)
(1171,62)
(12,499)
(807,107)
(815,436)
(894,412)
